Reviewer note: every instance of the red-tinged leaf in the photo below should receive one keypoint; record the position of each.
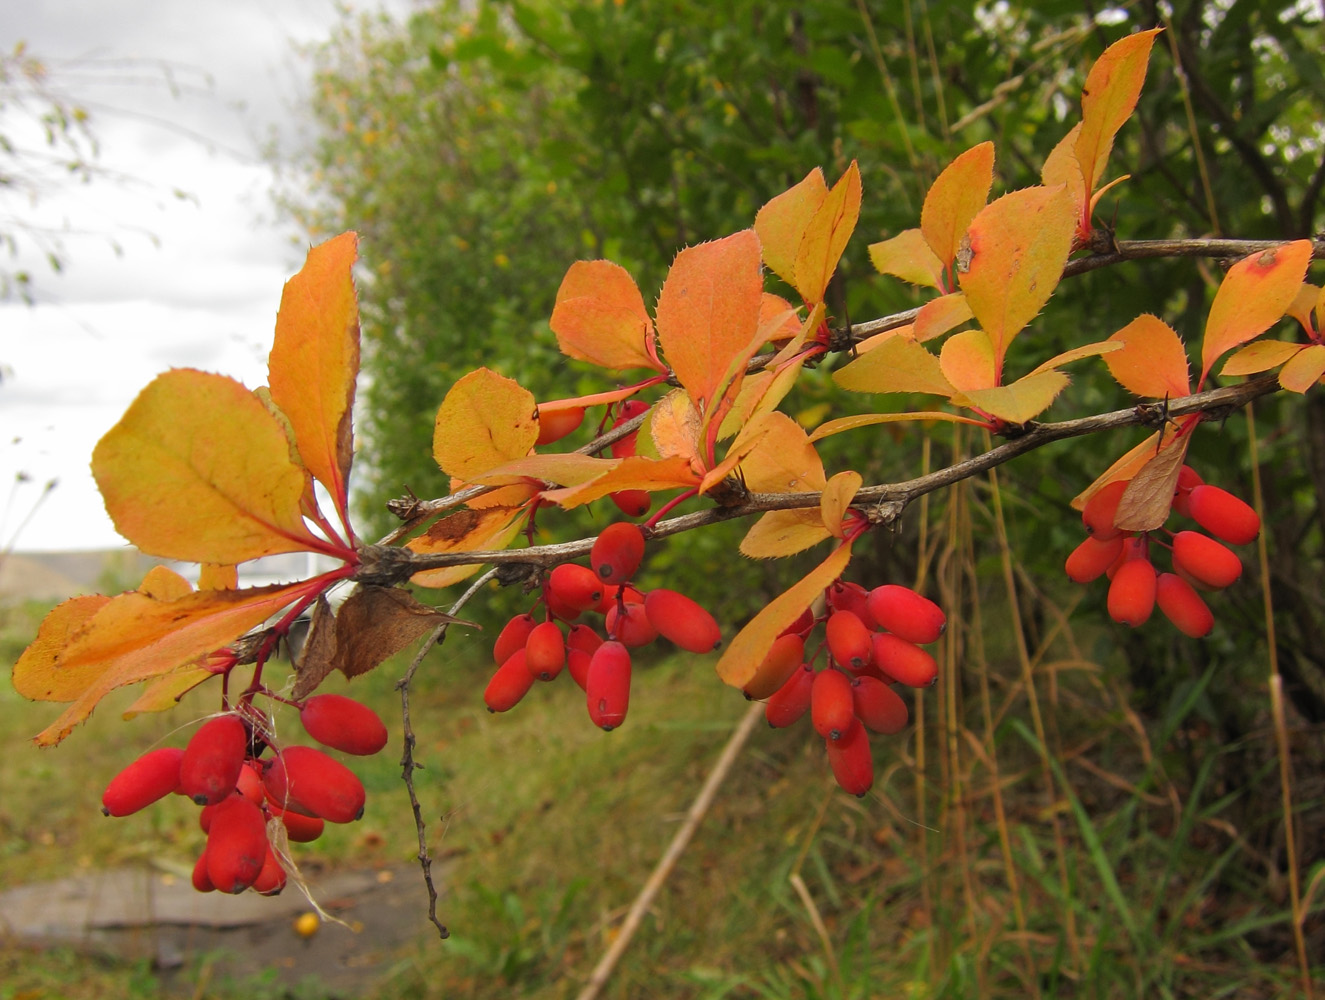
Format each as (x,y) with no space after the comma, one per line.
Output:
(315,359)
(1146,502)
(1025,399)
(564,469)
(1304,369)
(634,473)
(780,533)
(1153,361)
(897,365)
(937,316)
(954,198)
(1076,354)
(1252,297)
(485,421)
(165,692)
(135,638)
(1108,99)
(967,361)
(1124,468)
(746,441)
(836,498)
(600,317)
(593,399)
(831,427)
(782,222)
(465,531)
(708,311)
(826,236)
(909,257)
(198,470)
(1015,253)
(1063,167)
(742,658)
(1309,298)
(784,461)
(778,317)
(813,321)
(34,676)
(728,388)
(1259,357)
(674,427)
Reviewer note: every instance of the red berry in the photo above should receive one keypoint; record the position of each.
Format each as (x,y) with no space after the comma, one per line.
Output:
(614,594)
(1092,558)
(509,684)
(513,636)
(299,828)
(1102,508)
(553,425)
(577,664)
(1223,515)
(854,598)
(211,762)
(628,410)
(803,625)
(607,687)
(878,706)
(904,661)
(778,664)
(680,620)
(236,845)
(789,702)
(271,879)
(851,761)
(575,586)
(907,614)
(629,624)
(249,784)
(1183,606)
(617,552)
(303,779)
(152,776)
(1204,560)
(545,651)
(343,724)
(1132,593)
(848,640)
(201,881)
(831,709)
(584,638)
(632,503)
(1188,480)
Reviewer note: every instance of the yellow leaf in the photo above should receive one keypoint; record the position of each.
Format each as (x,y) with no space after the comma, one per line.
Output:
(1303,370)
(783,533)
(465,531)
(1153,361)
(826,236)
(1062,167)
(954,198)
(563,468)
(198,470)
(634,473)
(832,427)
(34,675)
(1307,299)
(836,498)
(746,441)
(1023,400)
(315,359)
(760,393)
(485,421)
(784,461)
(1260,356)
(937,316)
(1108,99)
(897,365)
(1076,354)
(742,658)
(909,257)
(214,576)
(600,317)
(782,222)
(967,360)
(165,692)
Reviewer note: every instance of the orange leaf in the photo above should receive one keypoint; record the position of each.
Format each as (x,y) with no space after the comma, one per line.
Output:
(967,360)
(674,427)
(1153,361)
(1025,399)
(485,421)
(778,317)
(826,236)
(1304,370)
(1076,354)
(198,470)
(954,198)
(314,361)
(563,468)
(782,222)
(937,316)
(897,365)
(831,427)
(836,498)
(746,441)
(1260,356)
(1108,99)
(600,317)
(909,257)
(1062,167)
(1146,502)
(34,675)
(1253,296)
(708,311)
(781,533)
(760,393)
(1018,247)
(1307,299)
(742,658)
(214,576)
(165,692)
(464,531)
(634,473)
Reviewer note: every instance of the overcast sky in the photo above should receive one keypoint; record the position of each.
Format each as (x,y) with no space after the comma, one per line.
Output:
(197,280)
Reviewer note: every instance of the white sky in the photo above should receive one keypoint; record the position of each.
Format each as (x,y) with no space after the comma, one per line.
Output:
(199,279)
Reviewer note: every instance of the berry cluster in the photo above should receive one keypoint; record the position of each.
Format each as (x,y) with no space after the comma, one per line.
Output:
(1198,560)
(222,769)
(528,650)
(873,640)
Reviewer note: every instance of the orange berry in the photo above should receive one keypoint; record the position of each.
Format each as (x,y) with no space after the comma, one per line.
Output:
(1092,558)
(607,688)
(1183,606)
(907,614)
(682,621)
(152,776)
(848,640)
(1132,593)
(617,552)
(1204,560)
(211,762)
(904,661)
(553,425)
(851,761)
(509,684)
(878,706)
(776,668)
(831,708)
(1225,516)
(792,700)
(343,724)
(1102,508)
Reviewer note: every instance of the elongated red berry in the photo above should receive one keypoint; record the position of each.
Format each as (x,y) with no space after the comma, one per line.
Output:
(343,724)
(607,687)
(831,708)
(789,702)
(848,640)
(782,660)
(152,776)
(1225,516)
(1102,507)
(628,623)
(1188,480)
(682,621)
(617,552)
(1132,593)
(847,596)
(1183,606)
(1205,561)
(903,661)
(614,594)
(576,586)
(299,828)
(553,425)
(878,706)
(1092,558)
(906,614)
(803,625)
(509,684)
(513,636)
(545,651)
(211,762)
(271,879)
(249,784)
(236,845)
(851,761)
(583,637)
(577,665)
(201,881)
(304,779)
(632,503)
